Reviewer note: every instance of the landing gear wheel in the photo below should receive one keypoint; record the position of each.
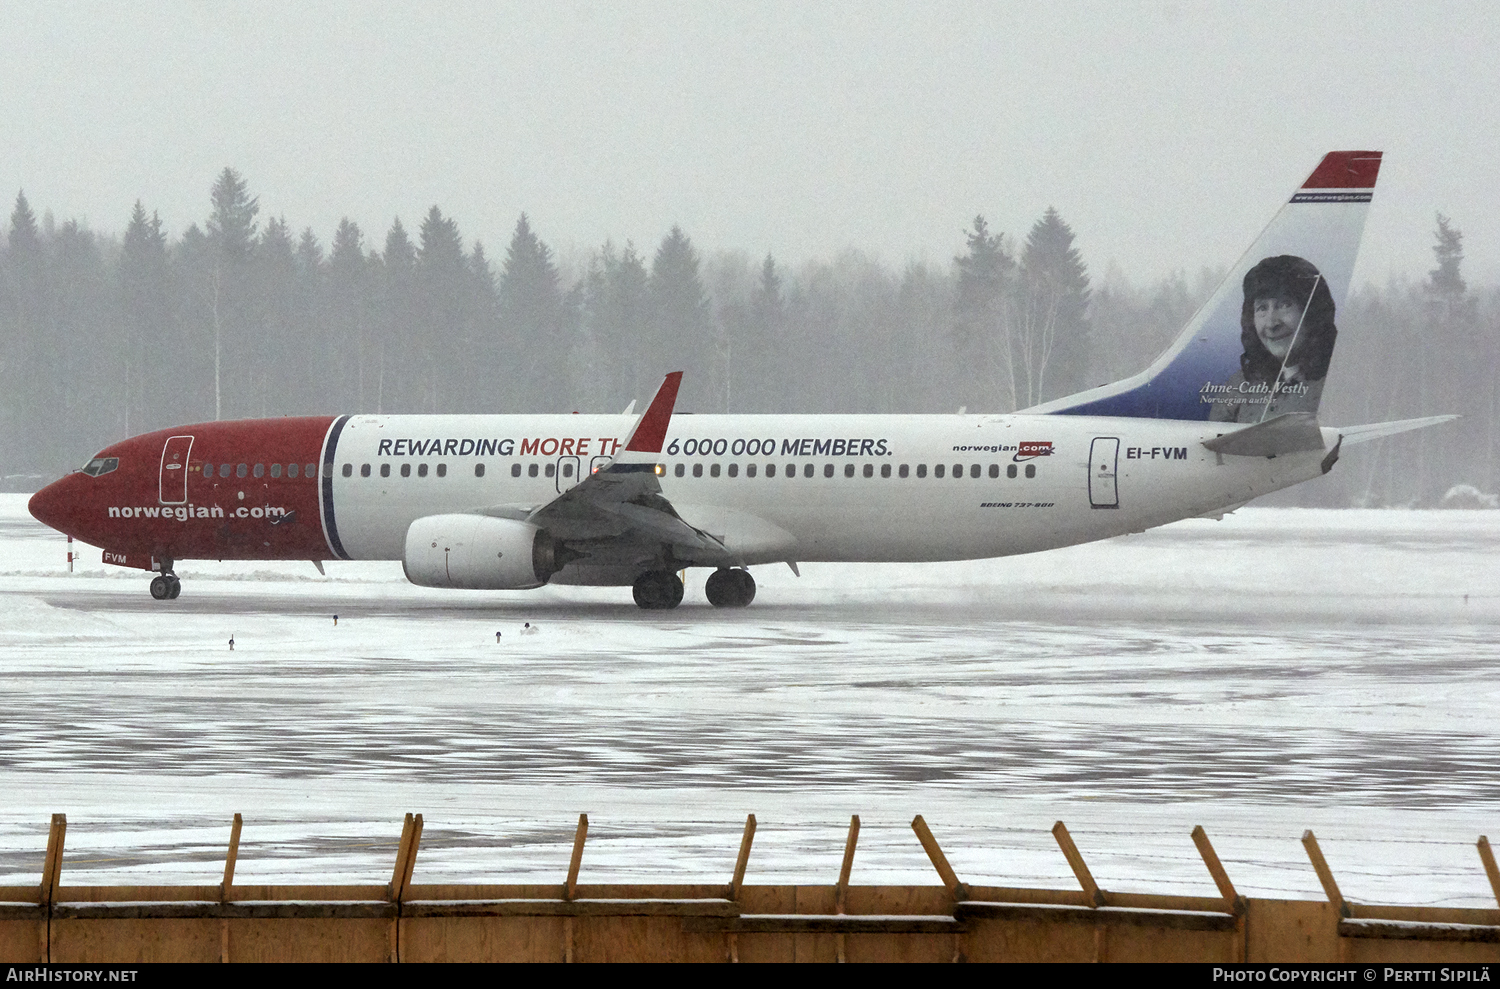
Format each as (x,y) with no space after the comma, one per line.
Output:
(176,587)
(730,588)
(657,590)
(161,588)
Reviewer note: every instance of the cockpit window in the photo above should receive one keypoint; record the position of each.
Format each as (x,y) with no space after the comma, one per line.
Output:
(101,465)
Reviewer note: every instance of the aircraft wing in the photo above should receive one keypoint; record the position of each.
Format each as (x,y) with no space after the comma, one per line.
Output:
(623,499)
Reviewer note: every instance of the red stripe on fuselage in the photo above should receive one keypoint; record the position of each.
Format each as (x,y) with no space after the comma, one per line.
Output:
(224,518)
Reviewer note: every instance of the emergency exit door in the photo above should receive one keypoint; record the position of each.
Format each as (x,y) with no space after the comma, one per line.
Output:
(172,488)
(1104,456)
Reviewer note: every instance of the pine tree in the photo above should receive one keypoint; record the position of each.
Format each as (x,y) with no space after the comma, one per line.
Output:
(531,307)
(150,332)
(23,335)
(347,348)
(1447,280)
(398,302)
(231,237)
(681,322)
(981,321)
(1053,311)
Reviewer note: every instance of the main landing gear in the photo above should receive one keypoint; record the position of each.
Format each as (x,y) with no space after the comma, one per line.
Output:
(165,586)
(658,590)
(730,588)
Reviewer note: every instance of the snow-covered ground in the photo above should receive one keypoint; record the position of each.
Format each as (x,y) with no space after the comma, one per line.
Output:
(1279,670)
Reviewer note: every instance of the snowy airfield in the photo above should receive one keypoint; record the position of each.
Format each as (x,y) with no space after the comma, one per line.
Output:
(1279,670)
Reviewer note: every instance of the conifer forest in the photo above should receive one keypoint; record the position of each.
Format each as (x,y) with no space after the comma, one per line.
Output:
(106,334)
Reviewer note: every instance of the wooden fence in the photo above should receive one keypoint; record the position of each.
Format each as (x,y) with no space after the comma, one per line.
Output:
(573,921)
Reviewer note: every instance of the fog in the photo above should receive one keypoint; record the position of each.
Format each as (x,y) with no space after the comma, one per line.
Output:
(770,197)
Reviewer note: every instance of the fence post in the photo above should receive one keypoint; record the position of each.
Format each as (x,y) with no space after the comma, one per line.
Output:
(1233,902)
(51,876)
(744,858)
(226,887)
(1325,875)
(406,861)
(1488,858)
(1091,889)
(959,891)
(841,892)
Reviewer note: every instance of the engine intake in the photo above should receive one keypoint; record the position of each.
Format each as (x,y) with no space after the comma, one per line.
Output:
(477,552)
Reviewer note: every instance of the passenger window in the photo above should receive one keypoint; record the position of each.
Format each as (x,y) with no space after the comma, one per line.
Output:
(443,470)
(275,470)
(713,471)
(680,470)
(242,470)
(697,470)
(312,470)
(937,471)
(922,470)
(406,470)
(749,470)
(531,470)
(260,470)
(208,470)
(568,469)
(958,471)
(828,470)
(1031,470)
(869,470)
(479,470)
(385,470)
(994,470)
(885,470)
(791,469)
(770,470)
(807,470)
(292,470)
(515,470)
(974,470)
(904,471)
(421,470)
(734,470)
(1010,470)
(551,470)
(848,470)
(348,470)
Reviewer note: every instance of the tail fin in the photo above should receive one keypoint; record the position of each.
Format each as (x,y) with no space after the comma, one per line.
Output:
(1261,345)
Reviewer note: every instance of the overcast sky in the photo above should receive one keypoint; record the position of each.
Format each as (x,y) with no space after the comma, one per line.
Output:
(1166,133)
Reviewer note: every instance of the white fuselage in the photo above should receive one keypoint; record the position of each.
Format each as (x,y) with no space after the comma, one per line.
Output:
(831,487)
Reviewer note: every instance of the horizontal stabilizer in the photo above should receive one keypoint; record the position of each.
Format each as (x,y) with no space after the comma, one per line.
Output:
(1291,432)
(1378,430)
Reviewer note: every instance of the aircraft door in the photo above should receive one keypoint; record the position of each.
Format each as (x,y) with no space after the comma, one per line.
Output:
(1104,455)
(567,473)
(172,488)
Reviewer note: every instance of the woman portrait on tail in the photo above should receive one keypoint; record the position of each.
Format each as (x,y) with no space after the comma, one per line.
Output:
(1287,330)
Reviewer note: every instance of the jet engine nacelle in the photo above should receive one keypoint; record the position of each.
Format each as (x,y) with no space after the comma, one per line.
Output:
(478,552)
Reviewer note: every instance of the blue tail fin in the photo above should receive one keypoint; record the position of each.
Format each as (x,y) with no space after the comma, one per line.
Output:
(1261,345)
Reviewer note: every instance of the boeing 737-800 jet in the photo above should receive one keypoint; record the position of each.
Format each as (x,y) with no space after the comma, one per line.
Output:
(1227,413)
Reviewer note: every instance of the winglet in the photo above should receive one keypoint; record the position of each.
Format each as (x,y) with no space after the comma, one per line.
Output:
(651,431)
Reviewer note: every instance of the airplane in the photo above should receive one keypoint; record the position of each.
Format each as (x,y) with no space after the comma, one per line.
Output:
(1227,413)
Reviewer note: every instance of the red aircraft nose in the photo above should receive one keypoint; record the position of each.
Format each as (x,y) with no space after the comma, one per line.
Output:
(53,505)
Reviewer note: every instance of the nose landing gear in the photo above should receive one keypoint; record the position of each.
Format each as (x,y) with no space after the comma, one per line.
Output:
(165,586)
(730,588)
